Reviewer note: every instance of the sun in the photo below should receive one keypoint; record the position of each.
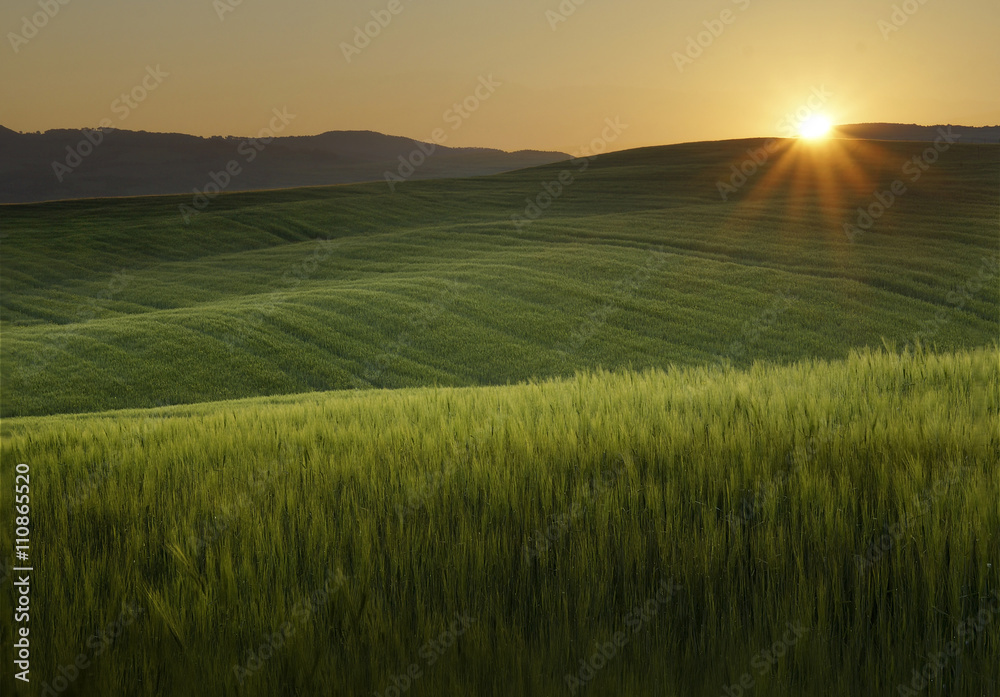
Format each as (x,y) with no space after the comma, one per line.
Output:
(815,127)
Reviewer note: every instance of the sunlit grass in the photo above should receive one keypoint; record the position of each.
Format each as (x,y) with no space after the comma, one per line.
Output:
(546,511)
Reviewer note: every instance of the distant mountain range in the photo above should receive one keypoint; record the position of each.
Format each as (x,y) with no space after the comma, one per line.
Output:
(909,131)
(64,164)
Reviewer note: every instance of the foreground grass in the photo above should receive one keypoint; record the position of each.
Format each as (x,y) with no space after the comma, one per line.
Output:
(638,263)
(843,517)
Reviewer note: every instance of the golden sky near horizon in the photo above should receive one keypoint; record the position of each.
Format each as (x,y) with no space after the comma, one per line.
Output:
(672,71)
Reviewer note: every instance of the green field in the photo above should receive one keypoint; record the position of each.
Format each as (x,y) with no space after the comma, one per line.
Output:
(639,263)
(652,443)
(546,513)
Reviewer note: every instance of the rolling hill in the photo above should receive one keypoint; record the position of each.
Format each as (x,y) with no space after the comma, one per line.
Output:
(914,132)
(787,479)
(643,258)
(69,164)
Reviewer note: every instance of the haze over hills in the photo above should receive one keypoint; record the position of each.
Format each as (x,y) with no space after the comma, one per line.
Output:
(67,164)
(910,131)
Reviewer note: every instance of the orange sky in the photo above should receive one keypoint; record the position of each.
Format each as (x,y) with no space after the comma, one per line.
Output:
(556,74)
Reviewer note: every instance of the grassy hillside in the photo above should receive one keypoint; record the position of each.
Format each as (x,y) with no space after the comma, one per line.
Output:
(821,529)
(638,262)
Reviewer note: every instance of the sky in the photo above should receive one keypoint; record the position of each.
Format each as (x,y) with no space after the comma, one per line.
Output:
(510,74)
